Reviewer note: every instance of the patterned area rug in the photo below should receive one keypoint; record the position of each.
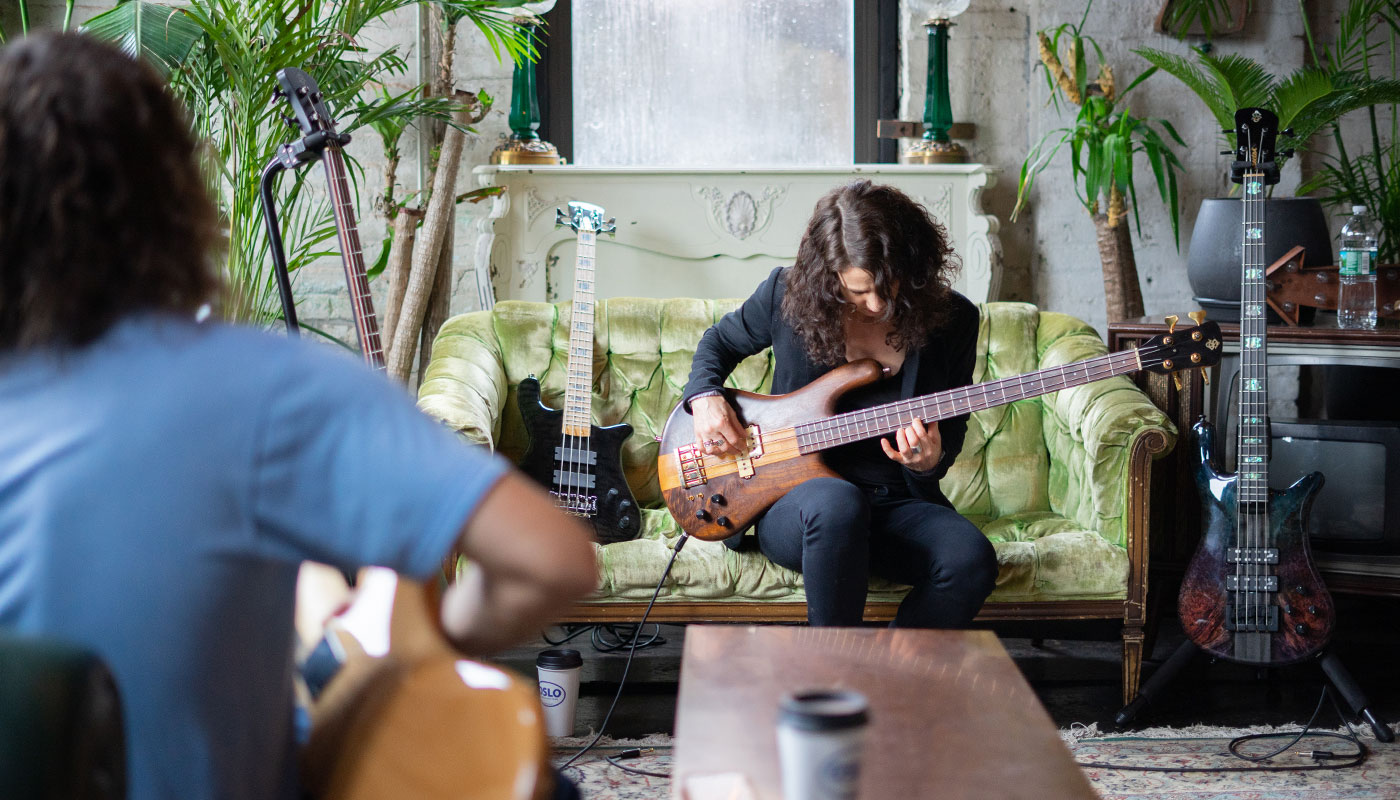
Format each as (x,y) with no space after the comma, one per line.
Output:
(1377,779)
(599,780)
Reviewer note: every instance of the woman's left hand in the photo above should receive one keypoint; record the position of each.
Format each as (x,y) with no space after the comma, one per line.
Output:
(920,446)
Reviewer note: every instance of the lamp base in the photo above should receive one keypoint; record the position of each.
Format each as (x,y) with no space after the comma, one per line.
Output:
(525,151)
(929,151)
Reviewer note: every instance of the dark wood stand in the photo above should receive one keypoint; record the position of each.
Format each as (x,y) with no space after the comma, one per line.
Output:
(1176,524)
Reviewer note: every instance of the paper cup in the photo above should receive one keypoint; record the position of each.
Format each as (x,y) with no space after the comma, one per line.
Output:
(559,673)
(821,736)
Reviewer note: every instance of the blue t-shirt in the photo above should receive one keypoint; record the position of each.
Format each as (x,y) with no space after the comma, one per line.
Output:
(158,490)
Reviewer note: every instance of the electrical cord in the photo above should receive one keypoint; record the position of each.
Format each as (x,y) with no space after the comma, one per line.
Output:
(635,752)
(1346,759)
(676,551)
(622,635)
(622,638)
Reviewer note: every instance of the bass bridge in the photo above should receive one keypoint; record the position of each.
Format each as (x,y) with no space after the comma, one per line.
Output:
(578,505)
(693,469)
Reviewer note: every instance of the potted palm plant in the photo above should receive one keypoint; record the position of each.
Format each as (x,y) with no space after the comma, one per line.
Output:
(1102,142)
(222,57)
(1309,101)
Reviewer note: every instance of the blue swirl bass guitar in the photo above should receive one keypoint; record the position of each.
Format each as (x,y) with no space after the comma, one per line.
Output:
(1252,593)
(578,462)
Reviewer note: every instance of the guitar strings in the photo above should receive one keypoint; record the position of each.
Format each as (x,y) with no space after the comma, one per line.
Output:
(575,468)
(865,423)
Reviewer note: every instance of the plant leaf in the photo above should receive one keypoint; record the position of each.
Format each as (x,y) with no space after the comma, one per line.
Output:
(162,35)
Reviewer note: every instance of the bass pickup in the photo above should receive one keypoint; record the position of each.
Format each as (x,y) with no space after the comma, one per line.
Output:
(1251,583)
(1251,555)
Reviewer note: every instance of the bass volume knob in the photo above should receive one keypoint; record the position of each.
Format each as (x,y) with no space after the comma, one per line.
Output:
(723,522)
(702,515)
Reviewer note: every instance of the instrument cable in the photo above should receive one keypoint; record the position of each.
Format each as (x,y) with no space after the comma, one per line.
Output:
(608,637)
(676,551)
(1346,759)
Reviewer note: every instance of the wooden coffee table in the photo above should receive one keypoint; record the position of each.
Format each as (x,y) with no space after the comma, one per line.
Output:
(950,714)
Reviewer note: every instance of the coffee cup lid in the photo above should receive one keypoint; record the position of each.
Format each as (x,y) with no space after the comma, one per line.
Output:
(559,659)
(823,710)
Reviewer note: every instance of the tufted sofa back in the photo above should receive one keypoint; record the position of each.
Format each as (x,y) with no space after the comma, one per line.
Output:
(1010,465)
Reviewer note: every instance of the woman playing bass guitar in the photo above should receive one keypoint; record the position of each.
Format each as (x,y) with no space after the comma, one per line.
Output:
(872,280)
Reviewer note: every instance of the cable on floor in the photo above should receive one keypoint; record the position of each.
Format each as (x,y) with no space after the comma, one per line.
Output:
(1323,759)
(628,666)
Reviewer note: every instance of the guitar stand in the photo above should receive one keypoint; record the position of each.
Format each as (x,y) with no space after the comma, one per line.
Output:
(1332,668)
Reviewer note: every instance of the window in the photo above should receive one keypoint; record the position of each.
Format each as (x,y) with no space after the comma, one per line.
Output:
(721,83)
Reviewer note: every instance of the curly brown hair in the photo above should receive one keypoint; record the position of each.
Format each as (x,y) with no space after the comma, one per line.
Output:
(103,208)
(883,231)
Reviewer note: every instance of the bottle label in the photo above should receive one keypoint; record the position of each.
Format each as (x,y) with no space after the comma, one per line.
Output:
(1356,263)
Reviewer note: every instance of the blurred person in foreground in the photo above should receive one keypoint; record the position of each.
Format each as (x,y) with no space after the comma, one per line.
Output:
(162,479)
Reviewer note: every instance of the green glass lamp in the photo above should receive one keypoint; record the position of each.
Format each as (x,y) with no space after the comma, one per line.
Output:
(936,147)
(524,145)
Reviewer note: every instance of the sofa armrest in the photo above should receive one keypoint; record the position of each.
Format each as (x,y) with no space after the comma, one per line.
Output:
(464,384)
(1096,436)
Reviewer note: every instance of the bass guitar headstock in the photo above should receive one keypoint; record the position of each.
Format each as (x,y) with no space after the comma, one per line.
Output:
(585,217)
(1255,131)
(310,117)
(1176,350)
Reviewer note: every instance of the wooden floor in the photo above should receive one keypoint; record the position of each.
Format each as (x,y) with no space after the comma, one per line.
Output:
(1074,671)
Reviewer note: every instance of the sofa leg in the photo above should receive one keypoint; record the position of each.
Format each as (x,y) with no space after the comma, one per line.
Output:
(1132,661)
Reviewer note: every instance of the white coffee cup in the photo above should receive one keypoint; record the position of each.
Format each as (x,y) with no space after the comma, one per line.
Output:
(821,737)
(559,673)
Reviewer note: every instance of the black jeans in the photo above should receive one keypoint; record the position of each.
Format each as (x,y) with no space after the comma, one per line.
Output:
(837,535)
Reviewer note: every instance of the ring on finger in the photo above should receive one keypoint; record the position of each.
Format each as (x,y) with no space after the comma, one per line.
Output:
(915,450)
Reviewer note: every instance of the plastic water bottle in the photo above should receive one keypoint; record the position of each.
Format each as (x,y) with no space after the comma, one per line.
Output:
(1356,298)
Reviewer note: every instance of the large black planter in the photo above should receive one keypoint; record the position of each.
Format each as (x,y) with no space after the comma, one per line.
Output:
(1213,261)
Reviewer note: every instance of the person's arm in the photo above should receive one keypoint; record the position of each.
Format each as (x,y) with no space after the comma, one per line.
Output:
(528,563)
(952,431)
(738,335)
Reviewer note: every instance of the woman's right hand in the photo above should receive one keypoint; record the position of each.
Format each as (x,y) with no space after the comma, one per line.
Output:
(717,429)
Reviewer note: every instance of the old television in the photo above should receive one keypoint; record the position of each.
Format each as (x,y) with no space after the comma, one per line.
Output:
(1342,421)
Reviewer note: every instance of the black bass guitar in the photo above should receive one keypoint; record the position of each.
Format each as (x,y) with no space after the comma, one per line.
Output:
(1252,593)
(579,462)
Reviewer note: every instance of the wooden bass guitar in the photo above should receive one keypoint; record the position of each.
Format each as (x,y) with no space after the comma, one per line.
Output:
(716,497)
(405,715)
(578,462)
(1251,592)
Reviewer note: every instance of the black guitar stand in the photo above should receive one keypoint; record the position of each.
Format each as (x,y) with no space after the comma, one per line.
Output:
(1332,669)
(289,156)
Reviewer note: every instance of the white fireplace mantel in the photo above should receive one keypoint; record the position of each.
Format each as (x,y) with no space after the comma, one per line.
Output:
(705,233)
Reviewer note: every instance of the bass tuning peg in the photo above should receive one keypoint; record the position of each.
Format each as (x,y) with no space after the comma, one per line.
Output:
(1205,375)
(1171,323)
(1197,316)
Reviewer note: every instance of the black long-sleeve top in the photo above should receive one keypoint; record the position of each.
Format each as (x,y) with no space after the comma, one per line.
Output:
(943,362)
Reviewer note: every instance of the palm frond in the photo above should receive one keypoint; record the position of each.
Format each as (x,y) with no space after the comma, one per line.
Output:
(161,35)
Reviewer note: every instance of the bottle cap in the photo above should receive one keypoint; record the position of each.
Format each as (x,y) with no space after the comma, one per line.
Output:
(823,710)
(1358,209)
(559,659)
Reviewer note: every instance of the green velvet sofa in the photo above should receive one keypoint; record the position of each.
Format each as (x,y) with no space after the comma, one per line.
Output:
(1058,483)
